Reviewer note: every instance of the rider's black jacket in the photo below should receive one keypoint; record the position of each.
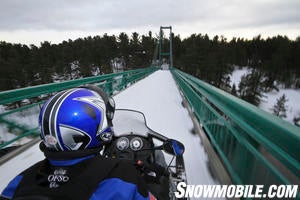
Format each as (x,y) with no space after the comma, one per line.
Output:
(85,175)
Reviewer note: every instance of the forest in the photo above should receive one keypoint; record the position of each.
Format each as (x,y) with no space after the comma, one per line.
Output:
(273,61)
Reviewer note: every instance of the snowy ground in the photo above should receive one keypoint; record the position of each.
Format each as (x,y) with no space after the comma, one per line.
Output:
(158,98)
(268,102)
(293,106)
(28,118)
(237,74)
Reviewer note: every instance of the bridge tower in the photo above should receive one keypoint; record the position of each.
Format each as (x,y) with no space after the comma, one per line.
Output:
(165,52)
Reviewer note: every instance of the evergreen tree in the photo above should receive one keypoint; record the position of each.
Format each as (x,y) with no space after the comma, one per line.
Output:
(123,46)
(296,120)
(74,72)
(250,87)
(269,83)
(225,82)
(233,90)
(277,58)
(280,108)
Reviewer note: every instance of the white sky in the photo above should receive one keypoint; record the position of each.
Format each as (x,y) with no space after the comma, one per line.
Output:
(34,21)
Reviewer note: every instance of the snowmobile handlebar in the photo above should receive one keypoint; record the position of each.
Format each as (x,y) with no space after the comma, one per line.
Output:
(170,146)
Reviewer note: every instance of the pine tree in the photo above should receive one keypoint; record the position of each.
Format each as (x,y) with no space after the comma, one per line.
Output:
(296,120)
(250,87)
(278,58)
(280,108)
(75,70)
(226,83)
(233,90)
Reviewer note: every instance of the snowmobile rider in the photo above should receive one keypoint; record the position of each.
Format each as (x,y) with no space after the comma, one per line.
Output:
(75,125)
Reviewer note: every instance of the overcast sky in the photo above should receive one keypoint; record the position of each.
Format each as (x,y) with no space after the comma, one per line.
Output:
(34,21)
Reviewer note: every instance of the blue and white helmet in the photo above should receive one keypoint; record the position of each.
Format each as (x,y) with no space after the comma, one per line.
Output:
(77,119)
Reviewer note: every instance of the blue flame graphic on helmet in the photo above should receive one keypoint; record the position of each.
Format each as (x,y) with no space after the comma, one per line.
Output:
(73,119)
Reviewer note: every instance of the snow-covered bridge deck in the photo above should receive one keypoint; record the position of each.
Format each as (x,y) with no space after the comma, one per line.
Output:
(158,97)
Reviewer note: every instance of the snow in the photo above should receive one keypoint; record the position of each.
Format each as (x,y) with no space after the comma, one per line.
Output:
(158,97)
(235,77)
(28,117)
(270,98)
(6,136)
(95,71)
(293,107)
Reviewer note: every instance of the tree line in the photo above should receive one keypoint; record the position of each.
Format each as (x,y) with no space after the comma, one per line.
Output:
(22,65)
(273,60)
(276,58)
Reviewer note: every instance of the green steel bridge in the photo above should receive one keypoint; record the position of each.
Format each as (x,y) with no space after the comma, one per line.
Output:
(253,146)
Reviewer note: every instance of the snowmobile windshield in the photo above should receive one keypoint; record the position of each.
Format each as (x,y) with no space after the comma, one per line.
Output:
(127,122)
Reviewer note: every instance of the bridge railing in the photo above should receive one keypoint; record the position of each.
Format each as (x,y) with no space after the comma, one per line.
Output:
(255,146)
(21,120)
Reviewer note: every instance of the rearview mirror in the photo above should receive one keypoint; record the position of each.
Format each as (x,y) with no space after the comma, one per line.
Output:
(173,147)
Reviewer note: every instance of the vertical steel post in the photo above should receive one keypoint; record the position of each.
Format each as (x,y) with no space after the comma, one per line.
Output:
(160,46)
(171,52)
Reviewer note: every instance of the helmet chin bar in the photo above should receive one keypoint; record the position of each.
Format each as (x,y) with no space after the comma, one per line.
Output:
(74,139)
